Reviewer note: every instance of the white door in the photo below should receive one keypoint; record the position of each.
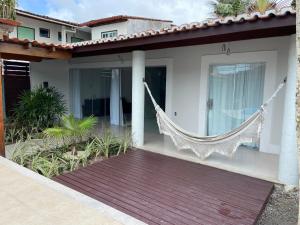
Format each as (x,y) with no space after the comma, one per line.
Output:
(235,92)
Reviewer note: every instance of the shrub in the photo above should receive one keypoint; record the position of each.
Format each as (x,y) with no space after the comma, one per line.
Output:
(39,108)
(108,145)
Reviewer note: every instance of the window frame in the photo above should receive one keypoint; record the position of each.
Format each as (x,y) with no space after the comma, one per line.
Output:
(59,36)
(108,32)
(41,28)
(27,28)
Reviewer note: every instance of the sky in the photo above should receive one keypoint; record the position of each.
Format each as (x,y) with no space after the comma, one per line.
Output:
(180,11)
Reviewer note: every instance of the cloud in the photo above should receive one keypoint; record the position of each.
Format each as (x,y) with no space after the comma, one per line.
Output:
(180,11)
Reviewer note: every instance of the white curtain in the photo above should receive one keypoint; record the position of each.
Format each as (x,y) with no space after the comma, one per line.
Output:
(116,109)
(75,103)
(235,93)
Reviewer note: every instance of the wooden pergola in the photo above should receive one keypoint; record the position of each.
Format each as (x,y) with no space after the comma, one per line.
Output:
(25,50)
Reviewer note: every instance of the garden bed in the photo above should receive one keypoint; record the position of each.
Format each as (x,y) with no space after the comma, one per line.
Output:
(52,157)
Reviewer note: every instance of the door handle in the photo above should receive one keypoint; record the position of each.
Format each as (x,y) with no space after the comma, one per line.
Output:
(210,104)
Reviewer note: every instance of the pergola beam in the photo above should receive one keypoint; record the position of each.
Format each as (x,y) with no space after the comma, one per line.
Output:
(18,51)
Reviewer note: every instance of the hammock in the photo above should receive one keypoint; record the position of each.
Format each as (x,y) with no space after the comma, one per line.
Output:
(225,144)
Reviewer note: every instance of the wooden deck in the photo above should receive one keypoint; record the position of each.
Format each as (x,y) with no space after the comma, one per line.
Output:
(157,189)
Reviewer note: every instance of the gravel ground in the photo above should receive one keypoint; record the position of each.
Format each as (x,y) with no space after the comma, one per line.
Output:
(282,208)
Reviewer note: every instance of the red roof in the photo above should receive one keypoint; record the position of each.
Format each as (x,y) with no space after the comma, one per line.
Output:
(7,39)
(118,19)
(45,18)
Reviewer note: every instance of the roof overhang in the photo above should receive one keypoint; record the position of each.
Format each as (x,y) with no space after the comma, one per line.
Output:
(119,19)
(232,31)
(46,18)
(32,51)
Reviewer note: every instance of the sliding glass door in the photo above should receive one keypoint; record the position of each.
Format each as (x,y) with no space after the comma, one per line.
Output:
(235,93)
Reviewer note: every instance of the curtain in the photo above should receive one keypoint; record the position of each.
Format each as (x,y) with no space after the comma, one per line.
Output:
(75,100)
(116,109)
(235,93)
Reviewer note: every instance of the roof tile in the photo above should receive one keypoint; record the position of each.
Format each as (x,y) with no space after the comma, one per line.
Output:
(195,25)
(35,43)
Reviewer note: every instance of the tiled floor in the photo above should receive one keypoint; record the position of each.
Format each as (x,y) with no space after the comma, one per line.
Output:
(245,161)
(25,201)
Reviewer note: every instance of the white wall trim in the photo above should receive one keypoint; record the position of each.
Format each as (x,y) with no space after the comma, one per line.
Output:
(270,58)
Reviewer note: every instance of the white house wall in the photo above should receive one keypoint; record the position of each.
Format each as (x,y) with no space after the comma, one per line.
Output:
(79,34)
(129,27)
(36,24)
(183,77)
(120,27)
(134,25)
(53,27)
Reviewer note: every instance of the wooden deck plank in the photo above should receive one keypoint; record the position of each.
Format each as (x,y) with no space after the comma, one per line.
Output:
(158,203)
(165,189)
(173,179)
(158,189)
(173,196)
(151,168)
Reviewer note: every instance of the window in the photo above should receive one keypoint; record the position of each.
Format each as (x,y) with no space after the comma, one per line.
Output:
(59,36)
(235,93)
(44,33)
(109,34)
(26,33)
(76,39)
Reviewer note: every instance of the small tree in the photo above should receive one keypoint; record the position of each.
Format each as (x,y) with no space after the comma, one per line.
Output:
(8,9)
(223,8)
(264,5)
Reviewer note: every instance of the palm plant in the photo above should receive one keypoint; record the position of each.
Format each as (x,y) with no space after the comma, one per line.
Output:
(72,128)
(7,9)
(223,8)
(264,5)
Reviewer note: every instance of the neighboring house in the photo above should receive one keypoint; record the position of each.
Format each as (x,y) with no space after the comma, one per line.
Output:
(123,25)
(51,30)
(47,29)
(208,77)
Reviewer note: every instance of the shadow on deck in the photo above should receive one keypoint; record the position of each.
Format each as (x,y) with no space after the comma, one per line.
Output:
(157,189)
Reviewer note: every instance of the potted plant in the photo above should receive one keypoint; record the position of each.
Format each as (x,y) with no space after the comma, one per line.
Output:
(7,17)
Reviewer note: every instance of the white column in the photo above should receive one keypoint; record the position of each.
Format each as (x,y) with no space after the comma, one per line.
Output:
(63,35)
(75,93)
(288,160)
(115,97)
(138,97)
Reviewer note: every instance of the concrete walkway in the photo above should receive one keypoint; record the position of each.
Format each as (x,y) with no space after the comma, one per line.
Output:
(27,198)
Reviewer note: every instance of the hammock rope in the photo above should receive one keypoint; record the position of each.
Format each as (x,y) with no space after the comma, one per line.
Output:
(203,146)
